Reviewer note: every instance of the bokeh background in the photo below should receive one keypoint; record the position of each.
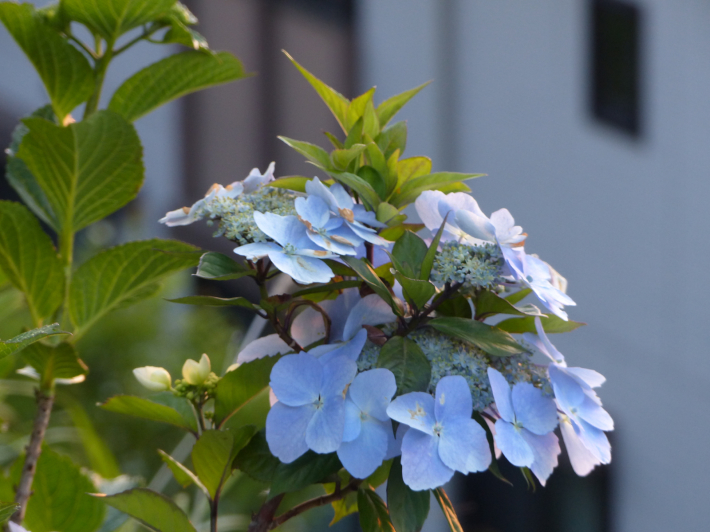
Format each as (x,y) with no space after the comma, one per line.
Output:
(591,119)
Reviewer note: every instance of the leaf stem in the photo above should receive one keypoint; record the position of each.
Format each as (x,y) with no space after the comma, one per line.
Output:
(82,45)
(214,504)
(314,503)
(99,75)
(145,35)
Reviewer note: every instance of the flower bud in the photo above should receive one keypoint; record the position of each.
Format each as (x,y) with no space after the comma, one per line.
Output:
(155,379)
(196,372)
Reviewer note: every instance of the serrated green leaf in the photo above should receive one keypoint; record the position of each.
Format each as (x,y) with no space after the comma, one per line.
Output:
(341,158)
(490,339)
(391,139)
(179,33)
(13,345)
(411,190)
(256,460)
(112,277)
(151,509)
(147,409)
(65,72)
(220,267)
(489,303)
(87,170)
(211,458)
(240,386)
(387,109)
(551,324)
(171,78)
(445,503)
(7,509)
(181,473)
(518,296)
(55,362)
(295,183)
(310,468)
(209,301)
(113,18)
(336,102)
(374,516)
(409,252)
(28,259)
(366,192)
(60,499)
(408,509)
(407,362)
(367,274)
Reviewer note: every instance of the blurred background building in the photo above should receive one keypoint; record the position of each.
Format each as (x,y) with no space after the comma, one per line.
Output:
(591,119)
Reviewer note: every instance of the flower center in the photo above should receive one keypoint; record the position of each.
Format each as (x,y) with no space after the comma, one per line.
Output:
(290,249)
(318,403)
(438,429)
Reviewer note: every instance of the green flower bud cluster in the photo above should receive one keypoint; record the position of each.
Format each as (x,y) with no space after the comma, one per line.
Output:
(196,392)
(474,266)
(235,216)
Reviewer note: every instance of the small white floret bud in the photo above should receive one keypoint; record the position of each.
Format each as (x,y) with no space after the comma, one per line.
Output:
(196,372)
(153,378)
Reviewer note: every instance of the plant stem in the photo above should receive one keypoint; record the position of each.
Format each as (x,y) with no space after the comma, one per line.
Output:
(261,522)
(45,400)
(214,504)
(313,503)
(99,75)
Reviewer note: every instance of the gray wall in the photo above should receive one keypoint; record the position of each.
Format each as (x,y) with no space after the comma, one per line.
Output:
(624,220)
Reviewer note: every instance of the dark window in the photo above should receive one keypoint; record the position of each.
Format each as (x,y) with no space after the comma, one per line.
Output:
(616,83)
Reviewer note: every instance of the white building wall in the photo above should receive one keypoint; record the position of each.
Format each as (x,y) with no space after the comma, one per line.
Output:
(623,219)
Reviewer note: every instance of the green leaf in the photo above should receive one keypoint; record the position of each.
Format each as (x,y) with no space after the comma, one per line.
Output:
(113,18)
(381,473)
(87,170)
(374,516)
(212,458)
(357,107)
(409,252)
(411,168)
(396,231)
(313,153)
(367,274)
(387,109)
(334,140)
(240,386)
(377,160)
(13,345)
(55,362)
(181,473)
(416,291)
(341,158)
(443,499)
(179,33)
(391,139)
(7,509)
(330,287)
(120,276)
(344,507)
(101,459)
(147,409)
(364,189)
(428,260)
(209,301)
(151,509)
(489,303)
(28,259)
(408,509)
(171,78)
(295,183)
(220,267)
(311,468)
(339,268)
(336,102)
(65,72)
(518,296)
(60,499)
(385,212)
(551,324)
(490,339)
(456,307)
(374,179)
(370,122)
(407,362)
(256,459)
(411,190)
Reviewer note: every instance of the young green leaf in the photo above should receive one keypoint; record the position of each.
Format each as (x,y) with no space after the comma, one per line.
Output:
(489,303)
(28,259)
(411,190)
(334,140)
(65,72)
(147,409)
(370,122)
(357,107)
(171,78)
(367,274)
(551,324)
(60,499)
(55,362)
(212,458)
(310,468)
(13,345)
(393,138)
(387,109)
(181,473)
(412,168)
(87,170)
(340,159)
(409,252)
(416,291)
(374,179)
(113,18)
(123,275)
(394,232)
(518,296)
(240,386)
(374,516)
(153,510)
(490,339)
(385,212)
(407,362)
(313,153)
(366,192)
(408,509)
(295,183)
(218,267)
(445,503)
(7,509)
(179,33)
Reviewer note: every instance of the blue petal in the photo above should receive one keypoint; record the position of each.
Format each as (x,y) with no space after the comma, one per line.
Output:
(568,391)
(314,187)
(286,430)
(365,453)
(545,449)
(394,444)
(304,270)
(501,394)
(337,374)
(550,349)
(257,250)
(476,225)
(370,310)
(345,201)
(591,378)
(595,415)
(353,423)
(415,409)
(536,412)
(367,234)
(582,459)
(332,245)
(324,433)
(422,468)
(372,392)
(283,229)
(453,400)
(512,444)
(296,379)
(265,346)
(313,210)
(593,439)
(462,444)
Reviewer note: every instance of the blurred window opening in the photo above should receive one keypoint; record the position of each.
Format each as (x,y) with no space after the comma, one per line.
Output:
(615,64)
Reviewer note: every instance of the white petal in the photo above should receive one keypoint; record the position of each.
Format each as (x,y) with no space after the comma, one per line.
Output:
(257,250)
(582,459)
(477,226)
(427,205)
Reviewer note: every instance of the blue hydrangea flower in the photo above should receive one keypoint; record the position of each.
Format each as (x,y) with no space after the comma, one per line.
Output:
(354,215)
(368,429)
(538,276)
(524,431)
(442,437)
(433,206)
(587,447)
(326,232)
(310,412)
(292,252)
